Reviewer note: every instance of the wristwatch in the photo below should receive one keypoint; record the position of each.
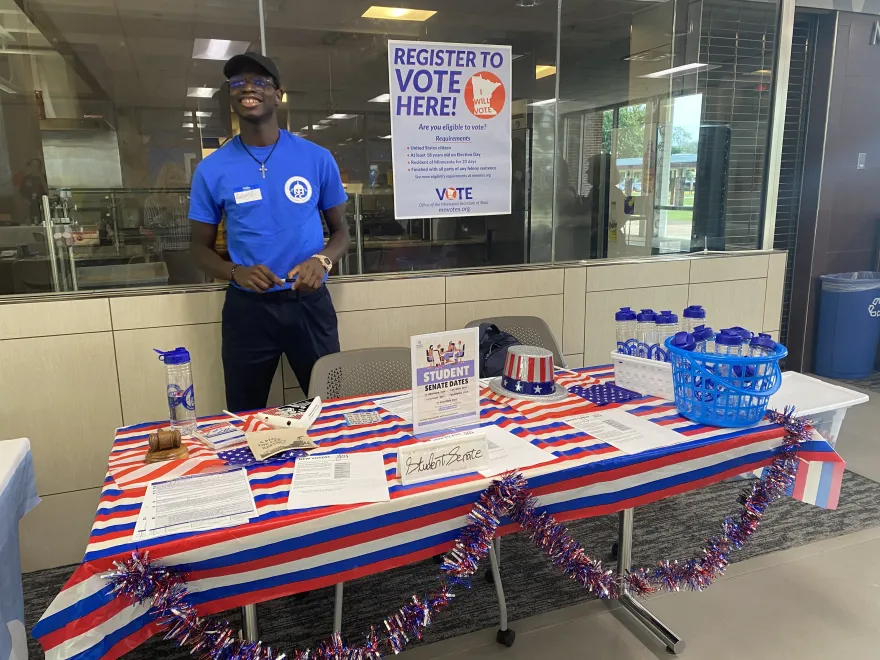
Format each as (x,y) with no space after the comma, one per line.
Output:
(325,261)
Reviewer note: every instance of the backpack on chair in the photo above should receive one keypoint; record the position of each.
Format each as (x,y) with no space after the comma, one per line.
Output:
(493,349)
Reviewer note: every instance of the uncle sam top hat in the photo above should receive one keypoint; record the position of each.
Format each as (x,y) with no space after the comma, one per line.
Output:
(528,374)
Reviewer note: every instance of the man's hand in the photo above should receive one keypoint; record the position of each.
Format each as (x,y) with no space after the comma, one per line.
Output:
(256,278)
(309,275)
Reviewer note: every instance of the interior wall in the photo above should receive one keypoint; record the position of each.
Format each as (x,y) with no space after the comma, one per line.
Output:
(94,359)
(840,216)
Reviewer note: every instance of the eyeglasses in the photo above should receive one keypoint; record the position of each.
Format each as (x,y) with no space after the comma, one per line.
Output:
(260,82)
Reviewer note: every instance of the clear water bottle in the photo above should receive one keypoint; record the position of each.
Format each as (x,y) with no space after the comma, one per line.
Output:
(179,388)
(646,329)
(705,339)
(684,340)
(728,342)
(746,336)
(625,324)
(692,317)
(762,345)
(666,325)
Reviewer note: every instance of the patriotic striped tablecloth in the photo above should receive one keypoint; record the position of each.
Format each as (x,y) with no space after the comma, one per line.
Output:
(284,552)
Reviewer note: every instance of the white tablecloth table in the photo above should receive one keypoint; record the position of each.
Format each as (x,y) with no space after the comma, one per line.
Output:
(18,495)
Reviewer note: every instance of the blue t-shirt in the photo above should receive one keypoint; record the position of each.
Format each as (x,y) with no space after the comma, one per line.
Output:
(274,221)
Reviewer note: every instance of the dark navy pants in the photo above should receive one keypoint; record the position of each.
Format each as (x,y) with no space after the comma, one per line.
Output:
(259,327)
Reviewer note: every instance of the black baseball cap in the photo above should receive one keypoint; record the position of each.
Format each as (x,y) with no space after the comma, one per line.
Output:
(235,64)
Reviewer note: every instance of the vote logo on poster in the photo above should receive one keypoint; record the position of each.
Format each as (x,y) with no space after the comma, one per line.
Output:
(484,95)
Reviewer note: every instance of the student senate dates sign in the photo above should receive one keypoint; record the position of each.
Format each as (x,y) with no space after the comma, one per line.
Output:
(450,127)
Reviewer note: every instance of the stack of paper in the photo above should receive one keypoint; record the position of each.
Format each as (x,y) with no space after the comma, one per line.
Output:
(219,436)
(199,502)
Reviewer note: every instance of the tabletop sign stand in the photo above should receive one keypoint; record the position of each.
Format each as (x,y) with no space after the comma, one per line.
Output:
(459,453)
(445,380)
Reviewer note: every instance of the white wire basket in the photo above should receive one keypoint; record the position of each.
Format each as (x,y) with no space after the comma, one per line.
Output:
(644,376)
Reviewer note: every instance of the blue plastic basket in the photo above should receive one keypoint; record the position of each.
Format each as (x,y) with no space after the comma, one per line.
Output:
(724,390)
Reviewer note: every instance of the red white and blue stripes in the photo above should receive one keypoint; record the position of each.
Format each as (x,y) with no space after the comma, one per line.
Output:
(283,552)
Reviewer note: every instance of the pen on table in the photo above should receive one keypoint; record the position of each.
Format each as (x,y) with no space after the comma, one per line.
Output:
(234,416)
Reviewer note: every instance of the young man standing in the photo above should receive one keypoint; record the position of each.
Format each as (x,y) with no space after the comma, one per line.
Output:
(272,187)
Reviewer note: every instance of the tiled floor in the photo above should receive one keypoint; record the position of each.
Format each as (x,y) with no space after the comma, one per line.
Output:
(811,603)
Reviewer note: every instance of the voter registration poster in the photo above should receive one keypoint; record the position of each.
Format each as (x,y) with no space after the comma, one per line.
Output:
(450,128)
(445,380)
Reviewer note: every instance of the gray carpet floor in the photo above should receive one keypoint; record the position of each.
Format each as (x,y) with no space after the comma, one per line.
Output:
(872,382)
(671,528)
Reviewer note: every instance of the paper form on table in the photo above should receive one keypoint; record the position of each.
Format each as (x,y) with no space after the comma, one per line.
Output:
(194,503)
(398,405)
(328,479)
(510,452)
(630,434)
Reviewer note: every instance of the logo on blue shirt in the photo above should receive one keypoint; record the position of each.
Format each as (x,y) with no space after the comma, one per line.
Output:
(298,190)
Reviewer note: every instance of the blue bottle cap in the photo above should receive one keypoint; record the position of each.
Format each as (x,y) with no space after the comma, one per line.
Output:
(729,337)
(646,315)
(666,316)
(694,312)
(625,314)
(703,333)
(742,332)
(764,341)
(178,356)
(683,340)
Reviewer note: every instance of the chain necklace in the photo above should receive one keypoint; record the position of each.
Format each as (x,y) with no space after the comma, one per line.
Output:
(262,163)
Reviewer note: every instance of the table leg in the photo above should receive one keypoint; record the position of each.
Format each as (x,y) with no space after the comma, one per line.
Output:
(674,644)
(337,608)
(505,635)
(498,549)
(250,626)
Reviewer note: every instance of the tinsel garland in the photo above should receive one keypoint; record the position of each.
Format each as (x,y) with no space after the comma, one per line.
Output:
(139,579)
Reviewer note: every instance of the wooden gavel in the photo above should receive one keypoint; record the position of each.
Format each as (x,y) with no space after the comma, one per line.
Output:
(165,439)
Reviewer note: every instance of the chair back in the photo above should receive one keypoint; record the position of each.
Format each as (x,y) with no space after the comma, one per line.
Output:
(360,372)
(530,330)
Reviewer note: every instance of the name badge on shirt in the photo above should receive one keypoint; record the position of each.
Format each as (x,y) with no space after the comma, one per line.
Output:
(248,194)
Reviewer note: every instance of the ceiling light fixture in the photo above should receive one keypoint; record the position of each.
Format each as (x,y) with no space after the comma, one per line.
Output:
(762,72)
(382,98)
(187,114)
(315,127)
(201,92)
(190,125)
(383,137)
(544,71)
(398,14)
(529,3)
(693,67)
(218,49)
(341,116)
(544,102)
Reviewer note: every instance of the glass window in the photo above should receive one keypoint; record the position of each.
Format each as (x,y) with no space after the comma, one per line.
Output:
(105,110)
(646,136)
(663,114)
(336,72)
